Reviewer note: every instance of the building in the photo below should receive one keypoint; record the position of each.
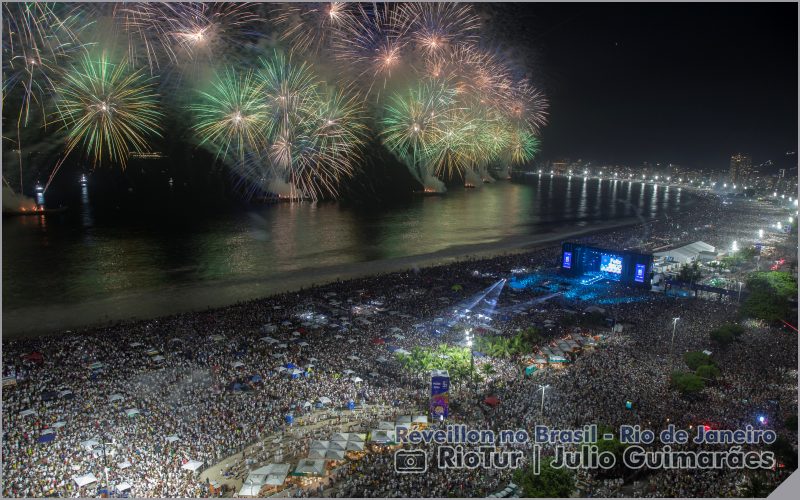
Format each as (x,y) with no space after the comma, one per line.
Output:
(741,168)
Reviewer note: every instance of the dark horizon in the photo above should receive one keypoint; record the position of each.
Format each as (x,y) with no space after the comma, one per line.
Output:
(684,83)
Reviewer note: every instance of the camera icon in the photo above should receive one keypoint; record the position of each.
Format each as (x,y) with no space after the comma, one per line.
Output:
(410,461)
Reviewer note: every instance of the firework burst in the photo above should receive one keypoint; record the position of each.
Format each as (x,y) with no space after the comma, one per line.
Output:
(410,125)
(107,108)
(436,26)
(232,116)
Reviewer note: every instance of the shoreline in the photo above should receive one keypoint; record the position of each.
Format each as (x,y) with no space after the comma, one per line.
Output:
(43,321)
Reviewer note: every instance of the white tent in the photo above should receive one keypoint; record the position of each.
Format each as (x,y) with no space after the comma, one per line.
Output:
(172,439)
(404,419)
(325,400)
(357,380)
(303,344)
(309,467)
(319,445)
(382,436)
(401,351)
(238,364)
(158,359)
(420,419)
(381,359)
(283,346)
(115,397)
(269,340)
(337,445)
(124,465)
(89,444)
(340,436)
(58,424)
(348,372)
(65,392)
(192,465)
(276,473)
(386,425)
(47,431)
(132,412)
(317,454)
(686,253)
(84,479)
(25,413)
(296,371)
(250,489)
(334,454)
(151,352)
(124,486)
(355,446)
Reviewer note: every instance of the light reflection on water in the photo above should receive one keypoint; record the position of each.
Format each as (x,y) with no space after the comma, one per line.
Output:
(81,255)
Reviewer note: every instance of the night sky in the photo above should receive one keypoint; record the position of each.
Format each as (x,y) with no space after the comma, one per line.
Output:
(683,83)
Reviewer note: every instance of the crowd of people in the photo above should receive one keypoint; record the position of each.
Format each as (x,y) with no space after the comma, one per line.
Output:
(157,394)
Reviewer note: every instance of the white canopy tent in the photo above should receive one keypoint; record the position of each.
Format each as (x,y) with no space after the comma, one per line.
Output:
(355,446)
(85,479)
(250,489)
(382,436)
(337,445)
(115,397)
(89,444)
(192,465)
(334,454)
(123,486)
(309,467)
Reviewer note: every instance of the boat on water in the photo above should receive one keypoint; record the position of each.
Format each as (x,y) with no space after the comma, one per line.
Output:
(35,211)
(429,192)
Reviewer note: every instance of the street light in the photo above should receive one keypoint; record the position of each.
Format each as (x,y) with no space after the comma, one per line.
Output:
(543,388)
(672,343)
(740,291)
(471,362)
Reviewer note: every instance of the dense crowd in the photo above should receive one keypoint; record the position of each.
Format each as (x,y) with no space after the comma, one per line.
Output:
(207,385)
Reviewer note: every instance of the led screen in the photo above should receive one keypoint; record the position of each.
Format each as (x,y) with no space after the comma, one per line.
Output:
(611,264)
(567,262)
(639,277)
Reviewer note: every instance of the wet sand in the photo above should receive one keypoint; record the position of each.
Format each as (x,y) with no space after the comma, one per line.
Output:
(56,318)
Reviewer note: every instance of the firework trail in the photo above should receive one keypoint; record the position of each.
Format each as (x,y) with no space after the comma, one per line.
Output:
(37,38)
(108,109)
(312,28)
